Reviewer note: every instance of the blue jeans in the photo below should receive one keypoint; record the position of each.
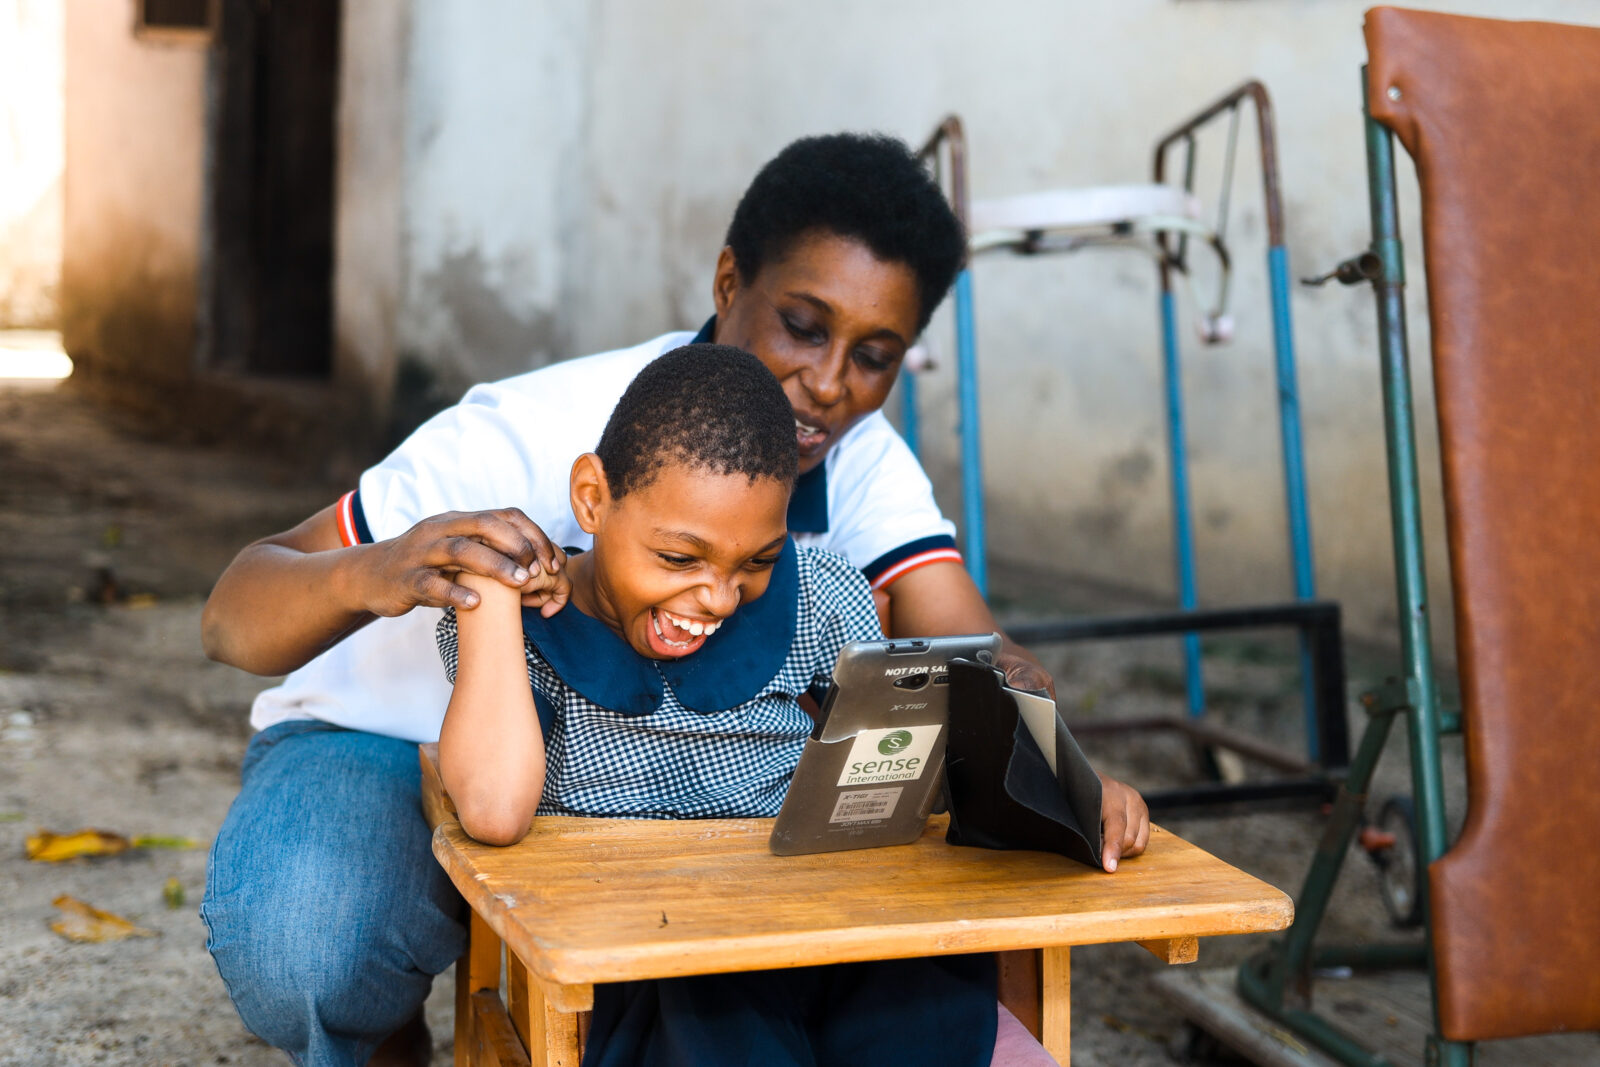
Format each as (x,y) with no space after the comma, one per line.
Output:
(328,915)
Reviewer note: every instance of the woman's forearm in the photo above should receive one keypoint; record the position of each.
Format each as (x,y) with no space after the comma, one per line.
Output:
(286,598)
(291,596)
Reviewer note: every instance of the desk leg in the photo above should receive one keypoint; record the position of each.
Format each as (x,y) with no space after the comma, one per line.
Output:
(477,970)
(1056,966)
(550,1035)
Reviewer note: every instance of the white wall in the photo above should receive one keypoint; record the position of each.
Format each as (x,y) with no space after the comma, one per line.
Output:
(30,161)
(134,150)
(494,158)
(570,168)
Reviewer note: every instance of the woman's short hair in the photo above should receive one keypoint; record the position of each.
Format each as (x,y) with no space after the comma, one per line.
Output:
(869,187)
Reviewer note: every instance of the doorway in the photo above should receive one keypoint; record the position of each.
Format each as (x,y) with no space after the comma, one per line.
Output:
(274,81)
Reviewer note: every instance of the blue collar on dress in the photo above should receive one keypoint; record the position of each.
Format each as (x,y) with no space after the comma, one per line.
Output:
(808,506)
(732,666)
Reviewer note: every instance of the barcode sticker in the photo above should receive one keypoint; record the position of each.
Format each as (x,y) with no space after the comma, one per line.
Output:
(865,805)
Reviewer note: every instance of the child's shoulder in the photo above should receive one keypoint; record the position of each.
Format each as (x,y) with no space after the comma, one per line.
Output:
(831,585)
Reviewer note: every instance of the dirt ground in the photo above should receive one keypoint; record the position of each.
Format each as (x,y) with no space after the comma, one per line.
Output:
(110,717)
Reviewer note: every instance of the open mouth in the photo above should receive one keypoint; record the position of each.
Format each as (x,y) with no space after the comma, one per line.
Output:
(807,435)
(677,635)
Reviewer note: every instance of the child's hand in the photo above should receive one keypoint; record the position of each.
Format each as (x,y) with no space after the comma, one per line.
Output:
(545,590)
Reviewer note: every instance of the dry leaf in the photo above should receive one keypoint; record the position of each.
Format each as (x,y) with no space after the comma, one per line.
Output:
(46,847)
(172,893)
(164,841)
(83,922)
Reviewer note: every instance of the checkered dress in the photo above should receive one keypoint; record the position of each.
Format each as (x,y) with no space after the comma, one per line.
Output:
(679,763)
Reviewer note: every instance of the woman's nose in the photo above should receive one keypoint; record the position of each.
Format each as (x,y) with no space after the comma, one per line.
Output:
(825,378)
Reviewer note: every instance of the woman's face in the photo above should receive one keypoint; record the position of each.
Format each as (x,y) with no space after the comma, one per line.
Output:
(831,321)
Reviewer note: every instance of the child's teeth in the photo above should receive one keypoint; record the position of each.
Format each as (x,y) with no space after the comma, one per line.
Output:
(711,628)
(697,628)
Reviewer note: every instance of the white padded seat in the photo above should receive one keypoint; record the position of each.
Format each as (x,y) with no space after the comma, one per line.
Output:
(1006,221)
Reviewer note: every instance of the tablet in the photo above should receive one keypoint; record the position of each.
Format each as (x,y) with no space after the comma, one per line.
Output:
(870,771)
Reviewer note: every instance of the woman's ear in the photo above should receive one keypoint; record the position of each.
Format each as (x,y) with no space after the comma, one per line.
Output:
(724,283)
(591,494)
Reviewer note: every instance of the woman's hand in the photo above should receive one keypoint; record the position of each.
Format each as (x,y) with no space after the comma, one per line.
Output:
(1023,672)
(419,568)
(1124,822)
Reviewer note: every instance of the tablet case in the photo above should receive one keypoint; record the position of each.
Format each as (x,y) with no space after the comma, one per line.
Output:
(870,772)
(1000,788)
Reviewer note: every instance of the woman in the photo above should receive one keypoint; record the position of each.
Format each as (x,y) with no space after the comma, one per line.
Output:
(835,259)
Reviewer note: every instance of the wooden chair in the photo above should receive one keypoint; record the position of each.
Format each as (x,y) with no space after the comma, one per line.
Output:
(586,901)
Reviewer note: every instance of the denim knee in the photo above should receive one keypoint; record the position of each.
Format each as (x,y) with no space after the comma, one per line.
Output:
(328,915)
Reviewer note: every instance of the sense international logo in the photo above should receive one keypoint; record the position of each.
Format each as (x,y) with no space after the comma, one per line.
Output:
(894,741)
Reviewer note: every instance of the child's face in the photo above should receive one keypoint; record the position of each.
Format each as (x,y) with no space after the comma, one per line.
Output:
(684,552)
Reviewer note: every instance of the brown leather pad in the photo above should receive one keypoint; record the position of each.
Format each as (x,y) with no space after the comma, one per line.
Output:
(1503,122)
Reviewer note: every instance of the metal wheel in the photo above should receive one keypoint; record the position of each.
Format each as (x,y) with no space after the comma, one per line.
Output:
(1399,867)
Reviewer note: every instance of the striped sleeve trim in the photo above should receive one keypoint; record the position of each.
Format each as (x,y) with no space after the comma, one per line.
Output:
(908,557)
(352,520)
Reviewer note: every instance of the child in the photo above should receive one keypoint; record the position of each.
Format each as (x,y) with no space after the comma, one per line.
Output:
(668,688)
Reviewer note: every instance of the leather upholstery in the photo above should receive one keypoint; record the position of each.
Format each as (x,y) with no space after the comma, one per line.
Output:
(1503,122)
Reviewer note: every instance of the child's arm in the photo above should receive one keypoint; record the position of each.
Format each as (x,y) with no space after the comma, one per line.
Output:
(491,751)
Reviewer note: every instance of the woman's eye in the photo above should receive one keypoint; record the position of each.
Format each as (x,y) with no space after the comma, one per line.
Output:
(674,559)
(762,563)
(801,331)
(874,360)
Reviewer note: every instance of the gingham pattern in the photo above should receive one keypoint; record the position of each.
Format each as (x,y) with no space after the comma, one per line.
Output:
(676,763)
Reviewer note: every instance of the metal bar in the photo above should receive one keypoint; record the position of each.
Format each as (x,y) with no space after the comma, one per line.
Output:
(952,138)
(1319,624)
(1202,732)
(1294,964)
(1322,661)
(974,549)
(1257,94)
(1288,393)
(1183,530)
(1411,590)
(1217,798)
(1322,614)
(1255,985)
(1294,478)
(910,429)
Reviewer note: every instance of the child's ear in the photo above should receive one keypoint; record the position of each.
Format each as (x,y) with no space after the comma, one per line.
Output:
(591,494)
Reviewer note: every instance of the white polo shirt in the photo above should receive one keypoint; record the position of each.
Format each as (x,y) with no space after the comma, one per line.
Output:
(512,443)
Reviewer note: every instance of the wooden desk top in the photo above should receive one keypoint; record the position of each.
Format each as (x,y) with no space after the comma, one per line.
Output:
(582,901)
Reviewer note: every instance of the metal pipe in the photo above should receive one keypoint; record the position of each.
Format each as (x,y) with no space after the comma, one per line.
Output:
(1427,776)
(952,138)
(1183,528)
(974,549)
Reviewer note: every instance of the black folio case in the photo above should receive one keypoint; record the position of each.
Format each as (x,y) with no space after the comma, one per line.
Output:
(870,772)
(1002,789)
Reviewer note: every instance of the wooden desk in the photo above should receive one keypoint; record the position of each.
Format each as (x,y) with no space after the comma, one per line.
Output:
(584,901)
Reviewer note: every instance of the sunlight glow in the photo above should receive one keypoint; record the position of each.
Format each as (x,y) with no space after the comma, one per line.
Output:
(33,354)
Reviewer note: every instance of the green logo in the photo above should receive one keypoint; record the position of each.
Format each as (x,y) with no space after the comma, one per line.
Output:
(894,742)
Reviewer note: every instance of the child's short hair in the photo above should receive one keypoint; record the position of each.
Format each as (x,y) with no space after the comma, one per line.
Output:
(715,408)
(869,187)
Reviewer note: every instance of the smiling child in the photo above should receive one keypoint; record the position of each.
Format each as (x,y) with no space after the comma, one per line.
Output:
(667,687)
